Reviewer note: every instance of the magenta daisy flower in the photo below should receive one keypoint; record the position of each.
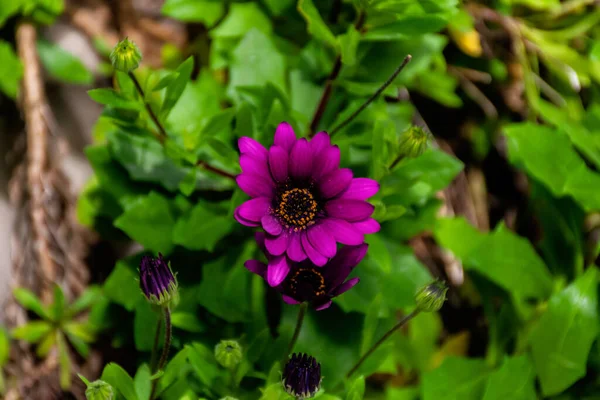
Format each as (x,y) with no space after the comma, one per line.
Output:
(302,199)
(310,283)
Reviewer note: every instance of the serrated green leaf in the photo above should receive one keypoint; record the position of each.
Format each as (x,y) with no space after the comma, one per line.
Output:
(315,24)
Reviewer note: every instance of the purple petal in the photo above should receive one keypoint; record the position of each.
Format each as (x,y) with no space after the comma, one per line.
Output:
(277,270)
(323,306)
(251,147)
(295,251)
(278,163)
(367,226)
(344,287)
(277,245)
(255,185)
(343,263)
(260,240)
(350,210)
(285,136)
(317,258)
(320,142)
(361,189)
(301,160)
(271,225)
(253,210)
(289,300)
(335,182)
(326,161)
(242,220)
(322,240)
(254,166)
(343,231)
(256,267)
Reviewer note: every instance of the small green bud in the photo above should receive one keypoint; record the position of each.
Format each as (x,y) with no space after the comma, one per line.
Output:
(228,353)
(413,142)
(99,390)
(125,56)
(431,297)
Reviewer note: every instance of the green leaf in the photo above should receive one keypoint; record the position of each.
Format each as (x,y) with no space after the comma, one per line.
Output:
(31,302)
(57,309)
(122,285)
(203,362)
(46,344)
(174,370)
(8,9)
(119,379)
(514,380)
(150,221)
(4,346)
(142,382)
(315,24)
(348,43)
(85,301)
(456,379)
(80,330)
(11,69)
(202,228)
(110,97)
(144,326)
(548,156)
(241,19)
(502,256)
(176,87)
(32,331)
(256,61)
(406,27)
(562,339)
(64,361)
(188,322)
(356,391)
(62,65)
(206,12)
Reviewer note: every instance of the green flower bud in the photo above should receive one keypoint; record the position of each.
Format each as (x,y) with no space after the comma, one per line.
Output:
(431,297)
(413,142)
(99,390)
(228,353)
(126,56)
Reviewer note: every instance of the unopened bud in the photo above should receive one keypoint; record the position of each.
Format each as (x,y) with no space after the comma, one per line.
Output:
(125,56)
(431,297)
(228,353)
(157,281)
(99,390)
(413,142)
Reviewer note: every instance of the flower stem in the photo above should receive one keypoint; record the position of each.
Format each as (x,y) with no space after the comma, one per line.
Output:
(389,333)
(299,321)
(374,96)
(155,347)
(165,353)
(163,133)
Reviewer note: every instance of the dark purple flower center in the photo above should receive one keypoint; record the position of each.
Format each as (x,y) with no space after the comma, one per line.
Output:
(297,208)
(306,284)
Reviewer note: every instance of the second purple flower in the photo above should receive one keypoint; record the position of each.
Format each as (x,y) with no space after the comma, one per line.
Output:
(302,199)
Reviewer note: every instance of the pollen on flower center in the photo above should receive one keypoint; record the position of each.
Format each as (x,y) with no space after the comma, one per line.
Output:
(306,284)
(297,208)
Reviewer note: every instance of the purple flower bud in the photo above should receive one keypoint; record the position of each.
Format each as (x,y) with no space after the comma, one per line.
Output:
(157,281)
(302,376)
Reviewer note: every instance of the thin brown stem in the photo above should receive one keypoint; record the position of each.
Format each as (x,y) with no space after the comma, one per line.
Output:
(155,347)
(299,321)
(389,333)
(165,353)
(217,171)
(374,96)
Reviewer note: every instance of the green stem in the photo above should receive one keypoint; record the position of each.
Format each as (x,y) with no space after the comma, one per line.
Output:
(373,96)
(155,346)
(299,321)
(165,352)
(389,333)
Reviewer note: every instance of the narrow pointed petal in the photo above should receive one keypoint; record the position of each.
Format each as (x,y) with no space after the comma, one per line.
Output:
(322,241)
(251,147)
(344,232)
(344,287)
(325,162)
(256,267)
(367,226)
(278,163)
(323,306)
(255,185)
(317,258)
(271,225)
(335,182)
(277,270)
(350,210)
(277,245)
(361,189)
(295,251)
(301,160)
(284,136)
(289,300)
(254,166)
(253,210)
